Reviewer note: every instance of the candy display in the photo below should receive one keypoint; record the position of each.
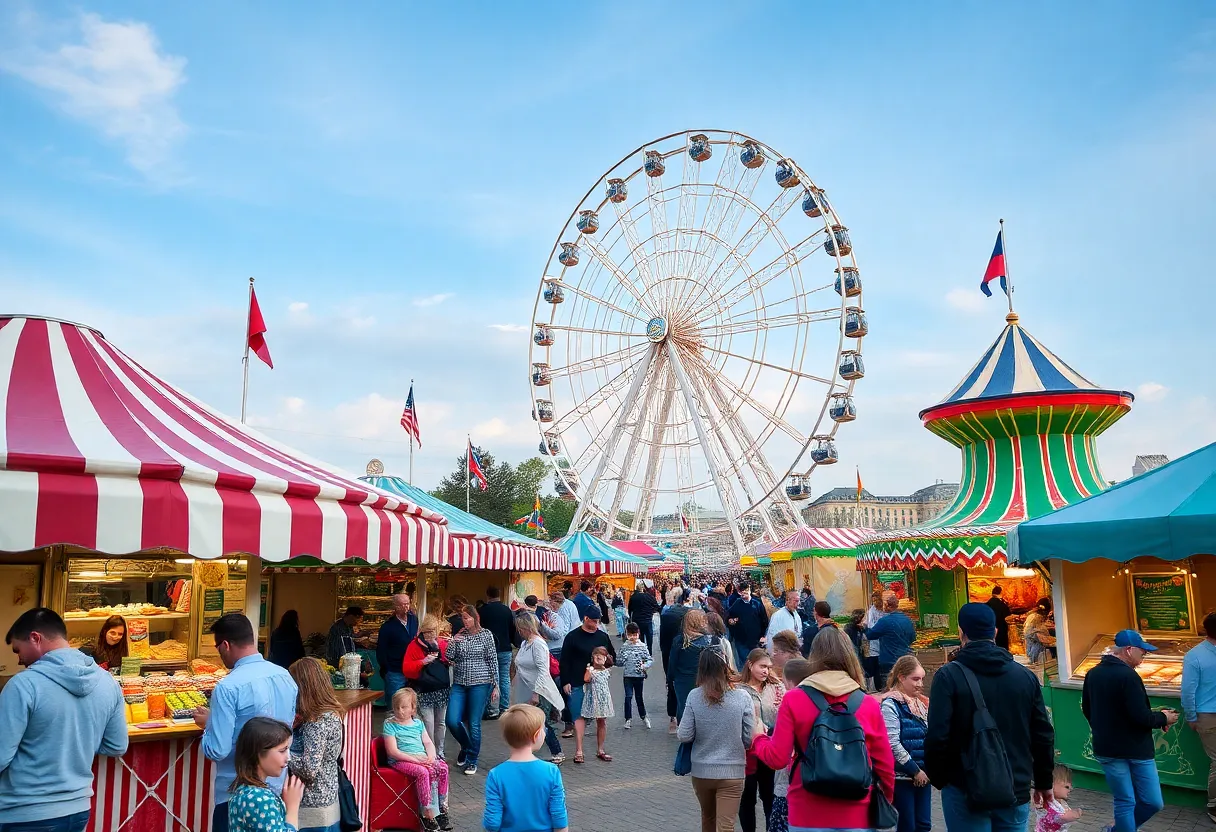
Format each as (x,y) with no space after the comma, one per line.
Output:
(1162,668)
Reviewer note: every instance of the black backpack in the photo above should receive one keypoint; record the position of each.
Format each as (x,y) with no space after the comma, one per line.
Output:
(988,779)
(836,762)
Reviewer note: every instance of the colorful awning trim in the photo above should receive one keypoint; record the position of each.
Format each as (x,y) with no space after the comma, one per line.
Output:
(97,452)
(588,555)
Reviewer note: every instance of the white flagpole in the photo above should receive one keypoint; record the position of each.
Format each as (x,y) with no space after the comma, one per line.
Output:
(468,472)
(415,417)
(245,360)
(1008,274)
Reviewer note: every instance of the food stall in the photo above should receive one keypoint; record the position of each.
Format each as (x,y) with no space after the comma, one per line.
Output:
(823,560)
(1026,425)
(592,558)
(133,498)
(1140,556)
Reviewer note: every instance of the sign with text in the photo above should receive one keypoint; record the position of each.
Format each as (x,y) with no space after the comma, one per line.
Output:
(1161,602)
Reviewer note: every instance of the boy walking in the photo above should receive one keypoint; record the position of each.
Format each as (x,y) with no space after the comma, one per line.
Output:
(524,793)
(635,659)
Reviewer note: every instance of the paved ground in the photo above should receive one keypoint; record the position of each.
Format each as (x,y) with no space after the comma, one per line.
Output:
(637,790)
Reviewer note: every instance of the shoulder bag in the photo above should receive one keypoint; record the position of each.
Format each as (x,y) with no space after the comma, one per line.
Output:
(348,807)
(683,764)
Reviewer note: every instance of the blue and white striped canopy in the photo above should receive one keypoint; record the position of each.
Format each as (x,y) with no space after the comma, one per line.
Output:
(458,519)
(583,549)
(1017,363)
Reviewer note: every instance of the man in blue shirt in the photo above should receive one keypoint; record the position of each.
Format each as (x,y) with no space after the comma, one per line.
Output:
(583,600)
(896,632)
(1199,698)
(253,687)
(395,636)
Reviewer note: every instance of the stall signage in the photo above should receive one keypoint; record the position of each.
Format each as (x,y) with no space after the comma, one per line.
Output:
(1162,603)
(213,601)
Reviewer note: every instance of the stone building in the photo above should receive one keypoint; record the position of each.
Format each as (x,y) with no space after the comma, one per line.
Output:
(839,508)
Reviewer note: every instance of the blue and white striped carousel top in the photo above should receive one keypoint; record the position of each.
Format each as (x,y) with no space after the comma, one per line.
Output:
(458,519)
(1017,363)
(584,547)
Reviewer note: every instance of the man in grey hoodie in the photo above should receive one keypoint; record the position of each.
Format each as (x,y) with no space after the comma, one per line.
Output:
(54,719)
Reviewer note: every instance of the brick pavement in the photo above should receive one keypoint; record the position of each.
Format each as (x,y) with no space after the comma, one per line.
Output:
(638,792)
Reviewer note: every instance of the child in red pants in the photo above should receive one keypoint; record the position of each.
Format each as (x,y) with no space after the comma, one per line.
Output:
(413,753)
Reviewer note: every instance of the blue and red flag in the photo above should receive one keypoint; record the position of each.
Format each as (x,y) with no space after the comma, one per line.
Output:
(996,266)
(477,475)
(534,520)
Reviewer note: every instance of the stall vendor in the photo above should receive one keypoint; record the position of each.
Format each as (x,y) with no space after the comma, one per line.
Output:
(342,636)
(111,646)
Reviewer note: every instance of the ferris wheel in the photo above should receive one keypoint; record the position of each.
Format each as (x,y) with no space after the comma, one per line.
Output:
(697,335)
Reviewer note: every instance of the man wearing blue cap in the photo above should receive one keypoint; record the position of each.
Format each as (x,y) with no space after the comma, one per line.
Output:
(1114,701)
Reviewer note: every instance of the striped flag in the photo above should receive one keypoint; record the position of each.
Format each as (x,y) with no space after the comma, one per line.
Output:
(409,418)
(477,476)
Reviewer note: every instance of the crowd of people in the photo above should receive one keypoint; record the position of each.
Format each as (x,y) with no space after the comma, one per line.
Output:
(753,694)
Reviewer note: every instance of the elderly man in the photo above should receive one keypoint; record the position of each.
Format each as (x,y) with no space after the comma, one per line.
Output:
(786,618)
(1114,701)
(395,636)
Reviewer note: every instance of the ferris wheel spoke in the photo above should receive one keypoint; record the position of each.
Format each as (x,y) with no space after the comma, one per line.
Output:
(758,280)
(729,507)
(637,254)
(657,211)
(734,463)
(597,251)
(599,361)
(569,287)
(776,322)
(758,407)
(635,445)
(645,506)
(587,331)
(618,429)
(685,215)
(760,363)
(592,402)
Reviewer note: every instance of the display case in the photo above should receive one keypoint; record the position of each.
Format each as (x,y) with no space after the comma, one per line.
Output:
(1160,669)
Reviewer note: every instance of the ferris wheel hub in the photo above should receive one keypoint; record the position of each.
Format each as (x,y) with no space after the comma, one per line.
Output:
(656,329)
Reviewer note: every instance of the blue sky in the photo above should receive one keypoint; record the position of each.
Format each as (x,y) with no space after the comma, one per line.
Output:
(394,175)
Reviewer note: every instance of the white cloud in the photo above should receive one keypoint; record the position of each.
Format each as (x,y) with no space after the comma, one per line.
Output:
(116,78)
(297,307)
(510,327)
(293,404)
(1151,391)
(966,300)
(433,300)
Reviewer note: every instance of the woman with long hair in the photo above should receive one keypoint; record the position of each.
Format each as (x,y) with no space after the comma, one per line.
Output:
(717,630)
(766,690)
(1036,631)
(685,655)
(532,684)
(718,721)
(474,658)
(316,745)
(835,677)
(905,710)
(112,645)
(286,643)
(426,671)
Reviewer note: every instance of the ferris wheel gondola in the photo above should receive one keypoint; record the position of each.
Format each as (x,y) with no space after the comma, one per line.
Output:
(688,350)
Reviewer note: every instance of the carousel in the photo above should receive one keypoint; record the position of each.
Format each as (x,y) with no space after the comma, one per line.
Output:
(1027,426)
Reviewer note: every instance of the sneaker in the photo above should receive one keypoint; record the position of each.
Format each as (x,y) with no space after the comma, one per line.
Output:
(646,721)
(628,723)
(445,823)
(557,759)
(470,769)
(460,758)
(489,717)
(430,825)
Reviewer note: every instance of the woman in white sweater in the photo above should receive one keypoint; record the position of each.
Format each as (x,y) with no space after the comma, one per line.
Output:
(718,722)
(531,683)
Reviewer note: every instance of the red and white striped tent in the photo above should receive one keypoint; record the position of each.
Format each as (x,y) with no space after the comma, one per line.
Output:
(588,555)
(97,452)
(819,538)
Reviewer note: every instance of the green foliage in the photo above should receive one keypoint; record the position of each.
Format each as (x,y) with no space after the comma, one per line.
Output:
(496,502)
(530,479)
(558,514)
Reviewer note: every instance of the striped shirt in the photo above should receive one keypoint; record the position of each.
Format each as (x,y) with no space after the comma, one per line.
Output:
(474,658)
(634,658)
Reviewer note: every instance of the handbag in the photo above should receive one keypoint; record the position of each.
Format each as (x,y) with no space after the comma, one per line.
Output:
(434,677)
(348,807)
(683,764)
(882,814)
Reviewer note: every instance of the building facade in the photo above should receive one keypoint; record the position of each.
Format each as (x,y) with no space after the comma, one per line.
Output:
(840,508)
(1147,462)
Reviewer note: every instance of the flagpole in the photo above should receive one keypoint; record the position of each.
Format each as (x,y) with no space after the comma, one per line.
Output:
(468,472)
(245,360)
(1008,274)
(411,479)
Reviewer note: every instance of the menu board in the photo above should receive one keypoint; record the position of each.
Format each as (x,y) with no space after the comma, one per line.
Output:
(1161,602)
(212,576)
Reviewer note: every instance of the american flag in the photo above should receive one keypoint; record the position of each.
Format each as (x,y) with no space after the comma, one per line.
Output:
(477,476)
(409,418)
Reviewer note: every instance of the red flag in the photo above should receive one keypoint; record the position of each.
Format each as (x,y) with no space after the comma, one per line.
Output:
(257,330)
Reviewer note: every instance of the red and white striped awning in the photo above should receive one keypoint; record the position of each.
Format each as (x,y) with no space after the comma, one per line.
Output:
(606,567)
(97,452)
(807,537)
(478,553)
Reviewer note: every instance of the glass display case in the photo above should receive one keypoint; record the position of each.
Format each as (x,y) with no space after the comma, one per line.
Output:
(1161,669)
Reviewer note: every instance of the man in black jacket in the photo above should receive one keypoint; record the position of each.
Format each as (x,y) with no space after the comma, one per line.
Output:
(748,621)
(499,620)
(642,608)
(1002,612)
(576,658)
(1015,701)
(1114,701)
(671,623)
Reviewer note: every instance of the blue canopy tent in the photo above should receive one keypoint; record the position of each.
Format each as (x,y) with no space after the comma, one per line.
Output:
(1168,513)
(588,555)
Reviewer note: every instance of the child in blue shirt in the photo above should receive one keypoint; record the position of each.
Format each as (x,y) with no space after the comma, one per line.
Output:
(524,794)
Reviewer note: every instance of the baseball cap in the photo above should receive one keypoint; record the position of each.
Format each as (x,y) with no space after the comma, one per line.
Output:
(1131,638)
(594,613)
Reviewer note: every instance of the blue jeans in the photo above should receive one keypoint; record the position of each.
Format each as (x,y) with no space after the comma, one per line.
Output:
(621,620)
(633,687)
(465,706)
(915,806)
(961,819)
(1135,789)
(577,693)
(504,684)
(67,823)
(393,682)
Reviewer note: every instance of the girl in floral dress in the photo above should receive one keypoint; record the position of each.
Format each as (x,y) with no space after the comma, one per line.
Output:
(597,704)
(261,754)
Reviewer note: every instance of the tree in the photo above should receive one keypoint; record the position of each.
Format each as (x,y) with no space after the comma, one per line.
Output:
(558,515)
(530,477)
(495,504)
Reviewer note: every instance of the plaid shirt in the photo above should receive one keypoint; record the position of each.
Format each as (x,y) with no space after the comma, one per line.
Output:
(474,659)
